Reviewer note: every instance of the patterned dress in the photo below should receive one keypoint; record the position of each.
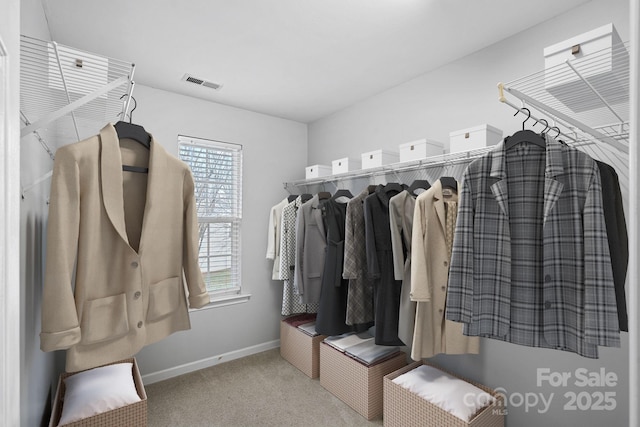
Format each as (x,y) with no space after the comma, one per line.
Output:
(291,303)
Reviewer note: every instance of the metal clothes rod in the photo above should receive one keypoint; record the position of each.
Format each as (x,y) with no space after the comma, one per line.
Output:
(394,168)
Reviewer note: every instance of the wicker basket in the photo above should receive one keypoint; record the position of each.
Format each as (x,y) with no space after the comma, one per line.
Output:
(300,349)
(402,408)
(356,384)
(134,415)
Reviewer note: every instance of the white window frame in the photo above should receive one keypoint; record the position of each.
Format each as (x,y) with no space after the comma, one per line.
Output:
(234,294)
(10,305)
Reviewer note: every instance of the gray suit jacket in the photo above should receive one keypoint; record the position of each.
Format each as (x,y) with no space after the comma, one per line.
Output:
(530,262)
(401,207)
(311,242)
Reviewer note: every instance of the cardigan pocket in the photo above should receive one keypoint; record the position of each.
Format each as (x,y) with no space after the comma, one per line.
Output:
(164,298)
(104,319)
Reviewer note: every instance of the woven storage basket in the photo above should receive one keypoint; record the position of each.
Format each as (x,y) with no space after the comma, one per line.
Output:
(356,384)
(134,415)
(300,349)
(403,408)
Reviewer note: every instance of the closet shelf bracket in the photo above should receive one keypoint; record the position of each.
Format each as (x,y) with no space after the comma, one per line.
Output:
(588,95)
(570,121)
(73,106)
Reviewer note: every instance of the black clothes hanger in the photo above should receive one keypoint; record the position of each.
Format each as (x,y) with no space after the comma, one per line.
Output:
(449,182)
(133,131)
(306,197)
(323,195)
(524,135)
(418,184)
(393,186)
(342,193)
(291,197)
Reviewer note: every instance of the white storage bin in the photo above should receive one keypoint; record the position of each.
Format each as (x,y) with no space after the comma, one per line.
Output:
(473,138)
(317,171)
(373,159)
(599,57)
(344,165)
(419,149)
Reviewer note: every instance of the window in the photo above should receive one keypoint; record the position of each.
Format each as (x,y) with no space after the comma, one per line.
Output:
(217,172)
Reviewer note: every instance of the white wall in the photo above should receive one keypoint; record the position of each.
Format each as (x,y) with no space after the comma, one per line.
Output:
(10,310)
(39,371)
(275,151)
(460,95)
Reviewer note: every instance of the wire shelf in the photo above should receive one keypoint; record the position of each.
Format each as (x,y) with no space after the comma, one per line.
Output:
(588,98)
(55,78)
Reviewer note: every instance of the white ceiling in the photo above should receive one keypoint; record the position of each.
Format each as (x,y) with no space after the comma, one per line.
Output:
(296,59)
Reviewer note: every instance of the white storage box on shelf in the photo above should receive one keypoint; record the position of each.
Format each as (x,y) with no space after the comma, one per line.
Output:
(473,138)
(317,171)
(344,165)
(599,56)
(376,158)
(419,149)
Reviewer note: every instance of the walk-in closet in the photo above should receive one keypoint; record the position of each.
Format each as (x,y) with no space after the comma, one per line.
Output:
(286,213)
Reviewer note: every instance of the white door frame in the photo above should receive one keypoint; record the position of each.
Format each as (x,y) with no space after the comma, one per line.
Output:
(634,235)
(9,242)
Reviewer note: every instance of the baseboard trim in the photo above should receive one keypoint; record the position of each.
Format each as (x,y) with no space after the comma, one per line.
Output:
(175,371)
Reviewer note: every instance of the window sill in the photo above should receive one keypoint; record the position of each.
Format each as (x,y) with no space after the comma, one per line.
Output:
(224,300)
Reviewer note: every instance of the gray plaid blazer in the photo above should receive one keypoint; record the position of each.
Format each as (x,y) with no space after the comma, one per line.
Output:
(530,262)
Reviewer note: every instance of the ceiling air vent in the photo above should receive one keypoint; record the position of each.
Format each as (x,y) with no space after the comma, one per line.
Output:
(201,82)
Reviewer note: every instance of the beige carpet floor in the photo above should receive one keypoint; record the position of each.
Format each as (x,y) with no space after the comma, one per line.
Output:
(258,390)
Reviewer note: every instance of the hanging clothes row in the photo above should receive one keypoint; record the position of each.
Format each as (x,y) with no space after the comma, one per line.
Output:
(353,261)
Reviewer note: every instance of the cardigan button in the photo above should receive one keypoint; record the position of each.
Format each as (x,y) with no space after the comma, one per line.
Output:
(547,278)
(444,288)
(140,324)
(137,295)
(547,304)
(134,264)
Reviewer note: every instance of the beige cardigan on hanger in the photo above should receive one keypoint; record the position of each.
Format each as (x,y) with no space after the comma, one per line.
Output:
(127,238)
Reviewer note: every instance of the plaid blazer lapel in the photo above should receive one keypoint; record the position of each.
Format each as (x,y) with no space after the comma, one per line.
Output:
(553,168)
(499,172)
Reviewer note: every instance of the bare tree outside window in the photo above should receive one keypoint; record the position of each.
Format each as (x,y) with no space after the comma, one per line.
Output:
(217,172)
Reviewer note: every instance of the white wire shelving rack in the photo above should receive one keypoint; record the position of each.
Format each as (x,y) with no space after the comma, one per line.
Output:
(587,98)
(587,95)
(67,94)
(429,168)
